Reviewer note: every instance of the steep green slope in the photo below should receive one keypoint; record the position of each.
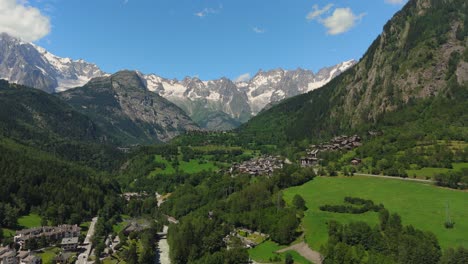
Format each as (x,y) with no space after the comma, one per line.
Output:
(42,121)
(421,54)
(61,191)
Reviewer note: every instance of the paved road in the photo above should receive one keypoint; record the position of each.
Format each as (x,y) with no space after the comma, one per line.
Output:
(163,248)
(304,250)
(87,245)
(394,177)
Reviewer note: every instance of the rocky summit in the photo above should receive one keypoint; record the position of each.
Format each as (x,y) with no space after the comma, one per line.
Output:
(220,104)
(123,107)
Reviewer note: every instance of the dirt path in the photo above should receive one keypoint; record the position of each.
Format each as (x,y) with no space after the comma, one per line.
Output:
(394,177)
(304,250)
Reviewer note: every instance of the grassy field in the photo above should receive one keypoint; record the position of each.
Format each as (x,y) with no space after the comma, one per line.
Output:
(28,221)
(8,232)
(264,253)
(430,172)
(49,255)
(192,166)
(420,205)
(120,226)
(84,228)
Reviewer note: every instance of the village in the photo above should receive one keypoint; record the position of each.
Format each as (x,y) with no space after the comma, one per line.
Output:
(264,165)
(336,144)
(65,235)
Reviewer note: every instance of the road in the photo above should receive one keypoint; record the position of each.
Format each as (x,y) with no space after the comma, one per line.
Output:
(394,177)
(304,250)
(87,245)
(163,247)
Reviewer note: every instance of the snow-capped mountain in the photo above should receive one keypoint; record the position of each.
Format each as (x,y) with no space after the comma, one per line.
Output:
(216,104)
(240,100)
(31,65)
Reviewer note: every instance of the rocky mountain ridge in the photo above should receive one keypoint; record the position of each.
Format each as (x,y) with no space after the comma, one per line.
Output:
(122,106)
(240,100)
(220,104)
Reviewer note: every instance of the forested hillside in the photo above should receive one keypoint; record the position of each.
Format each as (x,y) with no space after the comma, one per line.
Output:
(61,191)
(421,54)
(42,121)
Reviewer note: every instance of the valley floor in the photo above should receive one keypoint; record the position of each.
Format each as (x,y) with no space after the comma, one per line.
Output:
(419,204)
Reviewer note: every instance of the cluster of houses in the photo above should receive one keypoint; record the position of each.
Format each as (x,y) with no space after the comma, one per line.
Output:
(337,143)
(11,256)
(248,238)
(264,165)
(51,233)
(67,235)
(134,195)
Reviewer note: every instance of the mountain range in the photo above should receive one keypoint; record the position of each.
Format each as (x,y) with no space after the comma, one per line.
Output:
(220,104)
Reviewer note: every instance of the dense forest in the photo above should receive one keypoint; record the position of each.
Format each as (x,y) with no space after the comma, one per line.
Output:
(210,207)
(28,177)
(42,121)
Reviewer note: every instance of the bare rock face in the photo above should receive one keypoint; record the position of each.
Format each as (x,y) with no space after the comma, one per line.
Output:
(121,104)
(203,100)
(30,65)
(227,102)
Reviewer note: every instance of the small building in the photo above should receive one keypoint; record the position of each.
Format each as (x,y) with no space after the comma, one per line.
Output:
(31,259)
(309,161)
(27,257)
(133,227)
(69,243)
(8,255)
(63,258)
(355,161)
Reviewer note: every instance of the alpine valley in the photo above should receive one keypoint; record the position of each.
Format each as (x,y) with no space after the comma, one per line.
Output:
(215,105)
(363,162)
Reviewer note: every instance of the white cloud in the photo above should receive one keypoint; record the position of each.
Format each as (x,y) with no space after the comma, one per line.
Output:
(208,11)
(258,30)
(395,2)
(20,20)
(317,12)
(243,77)
(342,20)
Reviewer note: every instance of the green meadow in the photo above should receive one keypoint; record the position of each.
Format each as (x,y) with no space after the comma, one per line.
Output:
(418,204)
(190,167)
(29,221)
(264,253)
(430,172)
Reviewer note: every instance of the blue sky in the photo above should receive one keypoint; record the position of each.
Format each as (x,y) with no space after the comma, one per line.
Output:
(205,38)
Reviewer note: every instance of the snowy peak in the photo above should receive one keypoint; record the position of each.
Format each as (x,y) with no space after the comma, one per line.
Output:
(222,99)
(70,73)
(240,100)
(31,65)
(275,85)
